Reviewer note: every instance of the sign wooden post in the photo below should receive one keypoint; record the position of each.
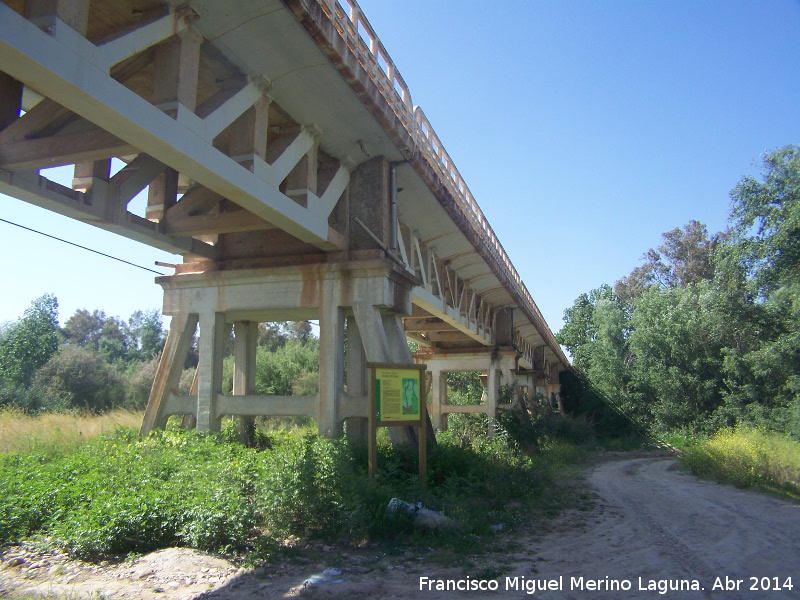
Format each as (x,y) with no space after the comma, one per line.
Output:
(397,399)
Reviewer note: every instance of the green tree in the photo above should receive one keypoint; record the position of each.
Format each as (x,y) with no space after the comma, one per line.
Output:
(292,369)
(464,387)
(275,335)
(609,349)
(30,342)
(84,328)
(676,376)
(145,333)
(96,331)
(300,331)
(271,336)
(684,257)
(766,219)
(113,346)
(709,331)
(764,375)
(579,331)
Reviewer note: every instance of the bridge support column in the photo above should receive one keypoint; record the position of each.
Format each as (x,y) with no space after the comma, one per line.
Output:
(356,381)
(383,343)
(492,396)
(554,386)
(331,359)
(168,375)
(245,336)
(210,347)
(438,397)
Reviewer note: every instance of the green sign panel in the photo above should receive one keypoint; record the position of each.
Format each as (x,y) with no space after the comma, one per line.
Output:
(397,393)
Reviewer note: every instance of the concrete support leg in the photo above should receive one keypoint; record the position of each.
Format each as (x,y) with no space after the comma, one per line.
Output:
(331,360)
(439,399)
(376,348)
(168,375)
(209,380)
(492,394)
(244,372)
(401,353)
(190,421)
(510,380)
(373,336)
(540,391)
(356,380)
(396,338)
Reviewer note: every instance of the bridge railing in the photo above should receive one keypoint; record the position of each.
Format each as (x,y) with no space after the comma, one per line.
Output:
(362,40)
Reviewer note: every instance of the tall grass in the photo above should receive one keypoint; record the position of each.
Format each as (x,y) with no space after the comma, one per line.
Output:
(21,432)
(748,458)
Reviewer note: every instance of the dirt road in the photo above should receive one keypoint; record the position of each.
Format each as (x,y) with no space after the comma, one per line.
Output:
(655,522)
(648,528)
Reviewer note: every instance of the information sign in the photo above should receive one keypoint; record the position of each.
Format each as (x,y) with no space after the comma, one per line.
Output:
(397,393)
(397,399)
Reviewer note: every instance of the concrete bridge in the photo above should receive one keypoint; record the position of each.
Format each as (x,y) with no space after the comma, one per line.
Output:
(283,158)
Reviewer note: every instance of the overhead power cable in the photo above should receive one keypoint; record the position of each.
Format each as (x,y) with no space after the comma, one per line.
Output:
(81,247)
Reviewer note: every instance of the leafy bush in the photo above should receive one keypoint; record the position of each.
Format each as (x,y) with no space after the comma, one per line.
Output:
(139,381)
(78,378)
(547,427)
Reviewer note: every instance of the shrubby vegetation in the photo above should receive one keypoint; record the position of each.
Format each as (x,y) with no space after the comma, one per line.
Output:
(96,362)
(122,493)
(119,493)
(92,363)
(706,333)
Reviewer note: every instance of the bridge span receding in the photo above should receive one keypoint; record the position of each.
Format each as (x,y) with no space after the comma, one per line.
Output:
(283,158)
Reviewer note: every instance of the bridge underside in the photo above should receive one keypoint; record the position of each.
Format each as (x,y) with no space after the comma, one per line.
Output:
(281,157)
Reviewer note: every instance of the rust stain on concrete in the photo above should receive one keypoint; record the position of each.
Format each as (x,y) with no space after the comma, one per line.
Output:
(310,292)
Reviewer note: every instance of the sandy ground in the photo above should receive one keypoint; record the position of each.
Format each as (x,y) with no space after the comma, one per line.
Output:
(647,526)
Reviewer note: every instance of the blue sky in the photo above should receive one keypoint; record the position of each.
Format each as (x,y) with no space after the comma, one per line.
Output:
(584,130)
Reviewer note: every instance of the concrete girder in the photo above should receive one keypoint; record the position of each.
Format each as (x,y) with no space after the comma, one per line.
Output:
(143,37)
(97,210)
(69,69)
(461,310)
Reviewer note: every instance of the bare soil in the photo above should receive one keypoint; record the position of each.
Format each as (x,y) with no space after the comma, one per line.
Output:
(642,523)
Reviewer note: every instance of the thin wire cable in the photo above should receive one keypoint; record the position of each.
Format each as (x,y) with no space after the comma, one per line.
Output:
(81,247)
